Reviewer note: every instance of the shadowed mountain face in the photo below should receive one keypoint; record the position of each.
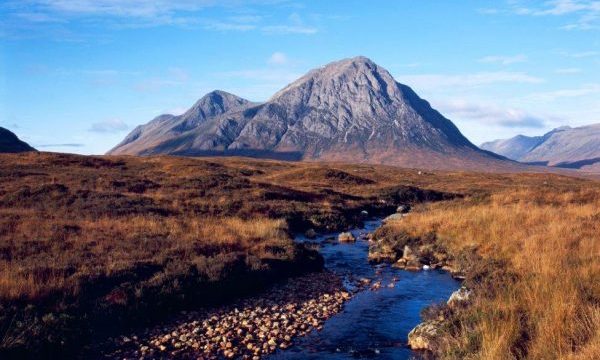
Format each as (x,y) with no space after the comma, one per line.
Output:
(350,110)
(10,143)
(575,148)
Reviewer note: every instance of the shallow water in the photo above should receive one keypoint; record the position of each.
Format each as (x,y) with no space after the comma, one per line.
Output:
(373,324)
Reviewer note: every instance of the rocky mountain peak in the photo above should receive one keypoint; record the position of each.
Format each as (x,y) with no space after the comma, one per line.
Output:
(348,110)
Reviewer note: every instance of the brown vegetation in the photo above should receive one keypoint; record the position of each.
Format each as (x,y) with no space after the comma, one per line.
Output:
(99,242)
(531,253)
(103,241)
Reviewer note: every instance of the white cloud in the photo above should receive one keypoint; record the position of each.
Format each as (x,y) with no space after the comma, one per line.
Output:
(587,89)
(264,75)
(568,71)
(289,29)
(491,114)
(580,54)
(66,145)
(436,81)
(120,8)
(295,25)
(586,11)
(488,11)
(504,60)
(174,77)
(109,126)
(228,26)
(148,13)
(277,58)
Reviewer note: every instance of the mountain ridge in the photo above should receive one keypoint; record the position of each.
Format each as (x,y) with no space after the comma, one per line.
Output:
(351,110)
(564,147)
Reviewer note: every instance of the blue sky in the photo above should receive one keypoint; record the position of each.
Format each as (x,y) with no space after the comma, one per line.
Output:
(78,75)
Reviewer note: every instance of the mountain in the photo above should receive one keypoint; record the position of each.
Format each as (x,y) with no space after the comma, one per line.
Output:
(566,147)
(350,110)
(10,143)
(171,134)
(513,148)
(517,147)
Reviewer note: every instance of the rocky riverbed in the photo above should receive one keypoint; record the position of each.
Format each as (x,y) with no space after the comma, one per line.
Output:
(375,307)
(248,329)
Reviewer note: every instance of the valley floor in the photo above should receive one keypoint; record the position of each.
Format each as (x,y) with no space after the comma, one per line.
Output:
(96,243)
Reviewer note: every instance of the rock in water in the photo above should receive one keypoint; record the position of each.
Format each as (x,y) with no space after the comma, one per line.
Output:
(346,237)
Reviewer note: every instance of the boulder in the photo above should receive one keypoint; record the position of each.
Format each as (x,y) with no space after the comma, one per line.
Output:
(346,237)
(409,260)
(425,336)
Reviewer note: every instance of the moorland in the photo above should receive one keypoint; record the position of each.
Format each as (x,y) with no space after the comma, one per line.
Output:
(92,245)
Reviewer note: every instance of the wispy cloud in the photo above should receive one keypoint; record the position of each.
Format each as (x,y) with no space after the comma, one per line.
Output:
(586,12)
(277,58)
(66,145)
(436,81)
(295,25)
(491,114)
(31,15)
(109,126)
(289,29)
(584,90)
(579,54)
(174,77)
(568,71)
(119,8)
(504,60)
(263,75)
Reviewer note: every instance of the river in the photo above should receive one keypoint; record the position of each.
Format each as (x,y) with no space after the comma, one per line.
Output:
(374,323)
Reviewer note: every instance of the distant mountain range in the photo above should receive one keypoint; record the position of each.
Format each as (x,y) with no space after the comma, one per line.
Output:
(10,143)
(565,147)
(350,111)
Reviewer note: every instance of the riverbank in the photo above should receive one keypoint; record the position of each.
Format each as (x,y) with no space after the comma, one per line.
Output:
(529,257)
(246,329)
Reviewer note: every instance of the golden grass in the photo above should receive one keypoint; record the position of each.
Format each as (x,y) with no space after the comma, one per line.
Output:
(26,275)
(94,235)
(551,240)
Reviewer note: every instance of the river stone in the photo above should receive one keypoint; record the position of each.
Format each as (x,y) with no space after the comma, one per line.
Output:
(424,336)
(346,237)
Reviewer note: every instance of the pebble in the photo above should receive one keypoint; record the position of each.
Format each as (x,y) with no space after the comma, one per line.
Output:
(250,328)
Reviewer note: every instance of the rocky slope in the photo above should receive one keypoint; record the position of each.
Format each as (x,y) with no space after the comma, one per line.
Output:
(350,110)
(576,148)
(10,143)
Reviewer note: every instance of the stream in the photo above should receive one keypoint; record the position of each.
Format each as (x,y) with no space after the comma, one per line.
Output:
(374,323)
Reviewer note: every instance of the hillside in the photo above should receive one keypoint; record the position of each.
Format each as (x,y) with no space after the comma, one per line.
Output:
(10,143)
